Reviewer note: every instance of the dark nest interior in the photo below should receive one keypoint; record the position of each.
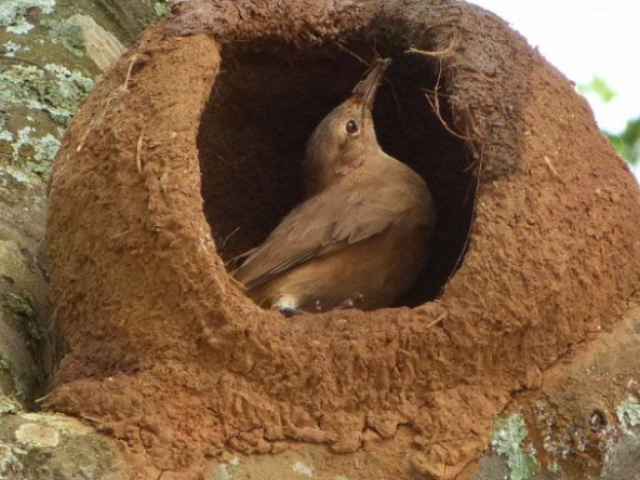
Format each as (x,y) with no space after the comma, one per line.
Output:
(267,100)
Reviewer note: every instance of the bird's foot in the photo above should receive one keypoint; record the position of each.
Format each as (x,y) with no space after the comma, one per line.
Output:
(290,312)
(351,302)
(345,305)
(288,306)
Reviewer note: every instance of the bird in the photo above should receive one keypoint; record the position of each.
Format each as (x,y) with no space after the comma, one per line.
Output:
(361,236)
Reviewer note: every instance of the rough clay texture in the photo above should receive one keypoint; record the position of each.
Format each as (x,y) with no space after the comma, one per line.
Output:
(189,151)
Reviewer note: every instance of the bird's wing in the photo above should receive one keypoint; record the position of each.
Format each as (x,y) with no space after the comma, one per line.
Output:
(324,224)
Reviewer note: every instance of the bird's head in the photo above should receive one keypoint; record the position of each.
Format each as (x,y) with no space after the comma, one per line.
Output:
(345,138)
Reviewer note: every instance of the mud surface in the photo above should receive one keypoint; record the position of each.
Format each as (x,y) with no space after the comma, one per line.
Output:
(197,133)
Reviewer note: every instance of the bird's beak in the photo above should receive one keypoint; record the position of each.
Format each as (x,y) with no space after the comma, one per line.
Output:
(366,89)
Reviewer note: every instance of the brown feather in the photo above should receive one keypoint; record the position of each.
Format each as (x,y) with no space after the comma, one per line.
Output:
(339,216)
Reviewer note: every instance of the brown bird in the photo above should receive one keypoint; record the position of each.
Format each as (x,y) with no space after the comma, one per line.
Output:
(361,237)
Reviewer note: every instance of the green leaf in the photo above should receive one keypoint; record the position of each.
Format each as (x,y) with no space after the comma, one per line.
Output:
(600,87)
(627,143)
(161,8)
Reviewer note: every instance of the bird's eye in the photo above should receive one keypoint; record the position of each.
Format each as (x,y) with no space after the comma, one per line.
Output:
(351,127)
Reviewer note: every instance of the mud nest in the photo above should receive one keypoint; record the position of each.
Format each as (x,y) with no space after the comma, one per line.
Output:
(189,152)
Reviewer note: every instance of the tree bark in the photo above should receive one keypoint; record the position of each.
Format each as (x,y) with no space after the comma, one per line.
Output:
(50,56)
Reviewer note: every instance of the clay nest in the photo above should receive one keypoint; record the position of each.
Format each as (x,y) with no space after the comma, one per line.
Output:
(189,151)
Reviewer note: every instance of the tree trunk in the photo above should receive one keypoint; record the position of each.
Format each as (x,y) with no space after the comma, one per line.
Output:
(50,55)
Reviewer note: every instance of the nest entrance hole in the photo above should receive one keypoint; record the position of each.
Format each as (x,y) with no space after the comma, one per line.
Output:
(267,100)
